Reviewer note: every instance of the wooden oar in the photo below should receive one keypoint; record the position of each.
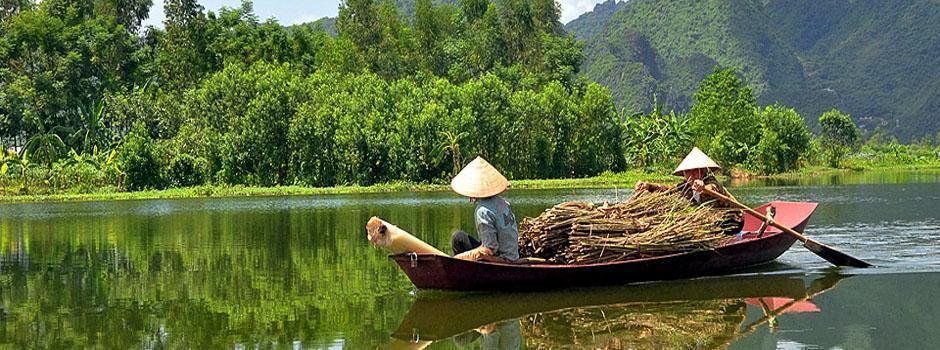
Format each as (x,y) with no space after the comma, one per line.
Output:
(826,252)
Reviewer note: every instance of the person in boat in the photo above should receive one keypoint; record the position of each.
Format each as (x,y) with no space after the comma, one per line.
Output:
(495,223)
(696,171)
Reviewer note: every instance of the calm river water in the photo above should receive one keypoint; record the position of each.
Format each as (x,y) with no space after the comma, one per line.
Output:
(297,272)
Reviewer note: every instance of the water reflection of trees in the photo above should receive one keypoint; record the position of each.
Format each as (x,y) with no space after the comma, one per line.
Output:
(894,177)
(89,300)
(199,279)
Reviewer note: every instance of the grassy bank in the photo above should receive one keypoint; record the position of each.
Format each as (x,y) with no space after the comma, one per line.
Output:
(606,180)
(859,165)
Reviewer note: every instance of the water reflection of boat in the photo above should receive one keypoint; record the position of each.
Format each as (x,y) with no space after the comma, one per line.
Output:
(706,313)
(428,271)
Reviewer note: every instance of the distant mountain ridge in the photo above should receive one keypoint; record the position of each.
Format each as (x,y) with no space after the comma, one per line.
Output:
(327,24)
(879,61)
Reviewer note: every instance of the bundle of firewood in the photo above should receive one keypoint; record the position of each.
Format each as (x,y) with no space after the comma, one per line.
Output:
(647,225)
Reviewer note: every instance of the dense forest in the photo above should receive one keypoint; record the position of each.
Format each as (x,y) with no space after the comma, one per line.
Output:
(226,98)
(90,100)
(877,60)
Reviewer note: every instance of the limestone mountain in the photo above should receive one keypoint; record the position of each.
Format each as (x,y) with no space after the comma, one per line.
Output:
(879,61)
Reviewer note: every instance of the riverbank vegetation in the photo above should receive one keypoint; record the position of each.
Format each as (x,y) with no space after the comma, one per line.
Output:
(624,180)
(92,103)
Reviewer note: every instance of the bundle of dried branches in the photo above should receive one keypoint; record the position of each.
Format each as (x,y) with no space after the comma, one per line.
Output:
(650,224)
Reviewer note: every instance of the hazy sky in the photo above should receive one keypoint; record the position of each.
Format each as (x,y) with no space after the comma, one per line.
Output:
(289,12)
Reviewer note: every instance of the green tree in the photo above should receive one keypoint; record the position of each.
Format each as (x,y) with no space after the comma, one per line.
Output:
(473,9)
(523,24)
(379,34)
(839,135)
(254,147)
(129,13)
(340,55)
(561,58)
(487,100)
(9,8)
(532,141)
(395,56)
(559,112)
(597,145)
(314,156)
(724,121)
(358,21)
(186,170)
(433,29)
(140,159)
(481,47)
(784,139)
(59,58)
(236,36)
(364,138)
(184,56)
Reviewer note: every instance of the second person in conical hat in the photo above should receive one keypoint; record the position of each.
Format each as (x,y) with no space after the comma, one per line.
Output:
(495,223)
(696,171)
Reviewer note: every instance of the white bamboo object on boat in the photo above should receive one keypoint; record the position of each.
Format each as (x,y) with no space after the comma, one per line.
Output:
(395,240)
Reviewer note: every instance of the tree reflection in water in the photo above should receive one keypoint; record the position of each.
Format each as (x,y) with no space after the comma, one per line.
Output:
(700,314)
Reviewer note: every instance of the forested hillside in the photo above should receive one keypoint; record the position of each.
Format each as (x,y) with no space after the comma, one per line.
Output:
(878,60)
(665,47)
(327,24)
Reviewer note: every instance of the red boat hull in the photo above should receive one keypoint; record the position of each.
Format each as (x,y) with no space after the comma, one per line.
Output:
(446,273)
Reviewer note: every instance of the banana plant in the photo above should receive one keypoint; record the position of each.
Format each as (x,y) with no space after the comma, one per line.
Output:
(112,166)
(4,170)
(451,145)
(22,164)
(93,131)
(46,144)
(93,158)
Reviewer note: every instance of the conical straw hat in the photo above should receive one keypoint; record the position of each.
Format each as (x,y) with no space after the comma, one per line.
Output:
(479,179)
(696,160)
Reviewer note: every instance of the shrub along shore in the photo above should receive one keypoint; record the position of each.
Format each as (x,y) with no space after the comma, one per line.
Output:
(623,180)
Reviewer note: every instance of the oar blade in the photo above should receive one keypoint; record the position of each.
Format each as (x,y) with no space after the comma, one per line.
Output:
(834,256)
(826,252)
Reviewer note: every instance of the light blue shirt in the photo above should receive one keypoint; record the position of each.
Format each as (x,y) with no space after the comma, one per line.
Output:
(497,227)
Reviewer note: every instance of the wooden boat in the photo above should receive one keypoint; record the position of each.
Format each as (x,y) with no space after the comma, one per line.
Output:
(428,271)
